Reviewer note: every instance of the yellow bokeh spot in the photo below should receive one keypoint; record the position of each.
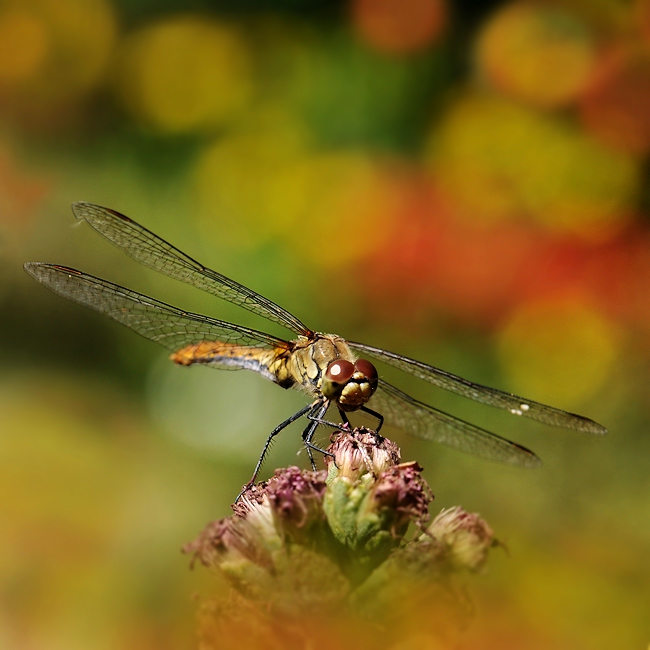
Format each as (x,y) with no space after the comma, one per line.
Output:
(557,351)
(347,206)
(23,45)
(184,74)
(55,50)
(497,161)
(540,55)
(257,186)
(237,180)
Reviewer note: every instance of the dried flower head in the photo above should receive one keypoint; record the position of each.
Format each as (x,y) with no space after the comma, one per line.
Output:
(356,452)
(402,490)
(466,536)
(296,499)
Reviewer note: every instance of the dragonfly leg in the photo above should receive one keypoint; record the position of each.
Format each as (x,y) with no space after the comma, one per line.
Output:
(335,425)
(327,423)
(379,417)
(269,440)
(344,417)
(316,417)
(310,446)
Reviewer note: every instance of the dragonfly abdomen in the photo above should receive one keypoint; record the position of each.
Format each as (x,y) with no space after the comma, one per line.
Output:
(270,363)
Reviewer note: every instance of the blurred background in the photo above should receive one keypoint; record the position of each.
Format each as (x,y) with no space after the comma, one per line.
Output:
(463,182)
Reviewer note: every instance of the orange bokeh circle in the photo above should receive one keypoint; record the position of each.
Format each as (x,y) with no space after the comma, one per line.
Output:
(399,26)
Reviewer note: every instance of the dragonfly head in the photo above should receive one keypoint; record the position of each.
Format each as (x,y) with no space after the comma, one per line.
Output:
(349,384)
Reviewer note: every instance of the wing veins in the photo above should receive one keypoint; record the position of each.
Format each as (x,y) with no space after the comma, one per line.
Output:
(424,421)
(151,250)
(157,321)
(484,394)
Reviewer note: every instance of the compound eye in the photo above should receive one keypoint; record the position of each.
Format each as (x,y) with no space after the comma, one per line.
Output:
(339,371)
(367,369)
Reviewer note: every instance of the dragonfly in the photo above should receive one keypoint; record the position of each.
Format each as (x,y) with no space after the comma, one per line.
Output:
(326,367)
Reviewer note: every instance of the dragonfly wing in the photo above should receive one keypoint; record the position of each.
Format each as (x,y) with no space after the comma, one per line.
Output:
(171,327)
(484,394)
(403,412)
(153,251)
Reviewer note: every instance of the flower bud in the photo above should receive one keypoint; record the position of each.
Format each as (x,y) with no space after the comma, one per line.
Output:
(296,499)
(242,546)
(358,452)
(401,491)
(255,509)
(370,499)
(466,536)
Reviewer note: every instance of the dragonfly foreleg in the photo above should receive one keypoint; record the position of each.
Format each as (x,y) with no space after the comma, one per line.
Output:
(327,423)
(316,417)
(267,444)
(379,416)
(344,416)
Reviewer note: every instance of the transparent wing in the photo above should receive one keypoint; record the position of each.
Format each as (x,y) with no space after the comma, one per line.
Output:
(153,251)
(171,327)
(484,394)
(421,420)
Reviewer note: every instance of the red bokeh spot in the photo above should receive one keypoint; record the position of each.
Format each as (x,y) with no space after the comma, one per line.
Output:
(432,265)
(399,26)
(617,108)
(432,262)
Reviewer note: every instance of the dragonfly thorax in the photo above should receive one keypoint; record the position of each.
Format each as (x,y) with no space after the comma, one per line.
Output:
(325,366)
